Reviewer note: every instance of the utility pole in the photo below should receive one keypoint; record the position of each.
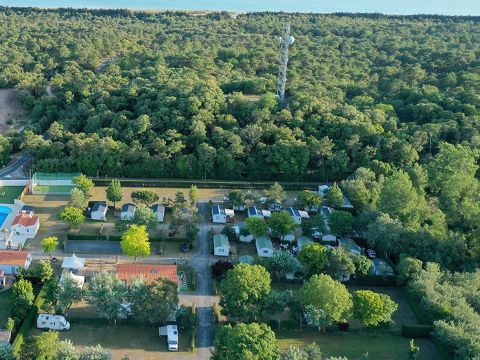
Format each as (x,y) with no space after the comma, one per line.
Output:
(285,41)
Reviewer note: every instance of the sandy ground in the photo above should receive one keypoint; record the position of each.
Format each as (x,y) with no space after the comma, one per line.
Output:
(10,110)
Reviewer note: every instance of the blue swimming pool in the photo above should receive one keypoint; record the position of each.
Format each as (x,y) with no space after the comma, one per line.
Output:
(4,211)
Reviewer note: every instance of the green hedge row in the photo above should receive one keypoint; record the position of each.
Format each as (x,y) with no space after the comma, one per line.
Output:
(90,237)
(416,331)
(206,184)
(375,280)
(27,323)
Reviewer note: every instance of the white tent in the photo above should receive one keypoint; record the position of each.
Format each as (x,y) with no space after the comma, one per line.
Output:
(73,262)
(80,280)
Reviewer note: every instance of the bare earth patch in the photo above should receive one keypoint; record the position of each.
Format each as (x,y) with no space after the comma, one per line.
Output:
(12,116)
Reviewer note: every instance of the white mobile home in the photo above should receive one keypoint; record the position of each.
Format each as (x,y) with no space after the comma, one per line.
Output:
(99,211)
(264,246)
(297,215)
(159,211)
(128,212)
(220,215)
(221,246)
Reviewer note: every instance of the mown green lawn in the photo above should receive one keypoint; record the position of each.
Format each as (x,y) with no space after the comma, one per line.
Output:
(354,346)
(9,193)
(6,299)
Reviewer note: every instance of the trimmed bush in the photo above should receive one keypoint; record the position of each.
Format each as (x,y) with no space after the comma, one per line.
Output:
(416,331)
(71,236)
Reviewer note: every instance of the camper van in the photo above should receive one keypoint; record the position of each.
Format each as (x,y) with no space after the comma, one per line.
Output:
(171,332)
(52,322)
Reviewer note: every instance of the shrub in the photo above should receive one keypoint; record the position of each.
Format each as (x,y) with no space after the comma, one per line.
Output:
(416,331)
(273,324)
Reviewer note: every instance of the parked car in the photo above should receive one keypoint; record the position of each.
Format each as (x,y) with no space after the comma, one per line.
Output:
(371,253)
(52,322)
(184,248)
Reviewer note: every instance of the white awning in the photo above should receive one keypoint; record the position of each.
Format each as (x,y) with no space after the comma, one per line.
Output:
(267,213)
(304,214)
(229,212)
(73,262)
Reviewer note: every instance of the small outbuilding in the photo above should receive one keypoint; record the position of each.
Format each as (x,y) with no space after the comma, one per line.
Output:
(159,211)
(99,210)
(128,212)
(73,262)
(264,246)
(303,240)
(221,246)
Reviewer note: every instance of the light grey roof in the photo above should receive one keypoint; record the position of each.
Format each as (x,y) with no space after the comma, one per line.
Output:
(218,209)
(128,208)
(99,206)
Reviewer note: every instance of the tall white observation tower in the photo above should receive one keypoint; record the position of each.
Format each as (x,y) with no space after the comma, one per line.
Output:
(285,41)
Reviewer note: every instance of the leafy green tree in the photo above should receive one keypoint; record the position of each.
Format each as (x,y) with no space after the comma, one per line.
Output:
(43,346)
(45,270)
(10,325)
(83,183)
(77,198)
(22,299)
(106,293)
(154,303)
(6,352)
(193,195)
(372,308)
(409,269)
(309,352)
(145,216)
(341,222)
(400,200)
(281,224)
(69,292)
(245,291)
(329,299)
(147,197)
(236,197)
(49,245)
(256,226)
(314,256)
(385,235)
(135,242)
(308,198)
(114,192)
(275,193)
(245,341)
(96,353)
(362,264)
(67,351)
(335,196)
(282,263)
(51,294)
(341,263)
(73,216)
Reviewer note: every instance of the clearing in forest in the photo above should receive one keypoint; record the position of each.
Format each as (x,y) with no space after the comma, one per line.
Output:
(12,115)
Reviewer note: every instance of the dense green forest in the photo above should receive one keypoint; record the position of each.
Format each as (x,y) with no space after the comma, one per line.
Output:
(388,106)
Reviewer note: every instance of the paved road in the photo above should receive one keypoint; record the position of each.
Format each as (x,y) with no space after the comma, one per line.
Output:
(13,170)
(204,298)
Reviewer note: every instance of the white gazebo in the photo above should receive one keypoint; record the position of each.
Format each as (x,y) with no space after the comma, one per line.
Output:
(73,262)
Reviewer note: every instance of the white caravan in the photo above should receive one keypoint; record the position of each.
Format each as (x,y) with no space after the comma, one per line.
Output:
(171,332)
(52,322)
